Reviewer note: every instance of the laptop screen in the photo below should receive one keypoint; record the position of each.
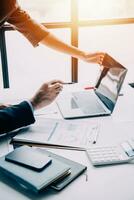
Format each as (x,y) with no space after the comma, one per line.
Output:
(109,84)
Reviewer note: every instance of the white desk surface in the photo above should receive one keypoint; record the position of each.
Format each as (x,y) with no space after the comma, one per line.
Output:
(104,183)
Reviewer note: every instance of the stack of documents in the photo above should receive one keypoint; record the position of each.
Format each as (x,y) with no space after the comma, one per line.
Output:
(58,133)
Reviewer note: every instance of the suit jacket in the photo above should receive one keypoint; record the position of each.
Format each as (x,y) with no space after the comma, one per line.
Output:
(15,117)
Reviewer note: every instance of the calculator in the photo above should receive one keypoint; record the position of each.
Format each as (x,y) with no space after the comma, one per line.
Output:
(105,155)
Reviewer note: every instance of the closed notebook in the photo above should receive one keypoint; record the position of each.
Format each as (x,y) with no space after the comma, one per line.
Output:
(31,179)
(76,170)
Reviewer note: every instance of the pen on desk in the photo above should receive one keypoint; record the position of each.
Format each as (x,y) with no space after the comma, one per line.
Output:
(92,133)
(96,135)
(89,88)
(95,139)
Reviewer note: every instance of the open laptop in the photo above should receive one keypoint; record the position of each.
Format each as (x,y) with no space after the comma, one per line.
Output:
(100,101)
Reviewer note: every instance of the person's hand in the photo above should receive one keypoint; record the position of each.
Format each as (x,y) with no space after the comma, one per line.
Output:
(96,58)
(46,94)
(2,106)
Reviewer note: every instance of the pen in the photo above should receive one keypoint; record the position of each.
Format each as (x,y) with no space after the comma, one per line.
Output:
(95,139)
(68,83)
(89,88)
(96,135)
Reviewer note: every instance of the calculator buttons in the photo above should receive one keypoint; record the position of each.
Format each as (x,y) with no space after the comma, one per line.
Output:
(106,155)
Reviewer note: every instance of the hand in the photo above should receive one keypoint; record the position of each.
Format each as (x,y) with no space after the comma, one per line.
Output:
(93,57)
(46,94)
(2,106)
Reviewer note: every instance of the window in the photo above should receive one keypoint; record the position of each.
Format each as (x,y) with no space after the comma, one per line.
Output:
(91,25)
(48,10)
(105,9)
(29,67)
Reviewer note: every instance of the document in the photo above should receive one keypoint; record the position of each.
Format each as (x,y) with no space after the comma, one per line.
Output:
(54,132)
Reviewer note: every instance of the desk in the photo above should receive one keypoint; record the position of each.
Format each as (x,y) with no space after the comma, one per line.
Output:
(104,183)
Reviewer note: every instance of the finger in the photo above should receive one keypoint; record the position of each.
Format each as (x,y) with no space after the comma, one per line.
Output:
(97,54)
(55,81)
(97,59)
(94,59)
(53,92)
(57,85)
(56,94)
(101,58)
(58,89)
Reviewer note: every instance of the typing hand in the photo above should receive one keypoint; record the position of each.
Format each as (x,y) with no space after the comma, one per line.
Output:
(46,94)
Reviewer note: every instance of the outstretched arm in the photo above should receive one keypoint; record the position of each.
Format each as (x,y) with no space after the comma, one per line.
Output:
(55,43)
(37,33)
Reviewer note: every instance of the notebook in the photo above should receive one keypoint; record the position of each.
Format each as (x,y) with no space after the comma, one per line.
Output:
(100,101)
(76,170)
(33,180)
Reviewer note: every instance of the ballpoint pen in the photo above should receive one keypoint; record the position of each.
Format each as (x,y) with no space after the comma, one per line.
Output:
(68,83)
(94,134)
(95,137)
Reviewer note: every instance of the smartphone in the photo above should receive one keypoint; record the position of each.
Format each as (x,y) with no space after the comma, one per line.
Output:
(29,158)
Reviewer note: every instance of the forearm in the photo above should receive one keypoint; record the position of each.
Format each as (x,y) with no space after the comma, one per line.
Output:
(53,42)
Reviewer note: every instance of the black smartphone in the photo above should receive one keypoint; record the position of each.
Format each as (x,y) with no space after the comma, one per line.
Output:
(29,158)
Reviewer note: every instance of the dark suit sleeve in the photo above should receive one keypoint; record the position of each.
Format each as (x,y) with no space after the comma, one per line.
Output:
(15,117)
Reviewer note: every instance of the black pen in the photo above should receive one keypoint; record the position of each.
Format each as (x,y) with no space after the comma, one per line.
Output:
(68,83)
(96,134)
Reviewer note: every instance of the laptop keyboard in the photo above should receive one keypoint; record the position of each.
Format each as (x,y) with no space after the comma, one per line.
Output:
(88,102)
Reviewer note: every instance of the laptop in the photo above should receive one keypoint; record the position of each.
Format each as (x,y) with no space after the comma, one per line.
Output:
(98,102)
